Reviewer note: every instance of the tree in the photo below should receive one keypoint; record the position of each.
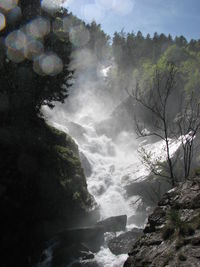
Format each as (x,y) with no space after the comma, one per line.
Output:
(34,69)
(156,100)
(98,41)
(188,122)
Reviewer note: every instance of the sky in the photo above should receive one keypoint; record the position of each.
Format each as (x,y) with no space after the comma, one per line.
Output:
(177,17)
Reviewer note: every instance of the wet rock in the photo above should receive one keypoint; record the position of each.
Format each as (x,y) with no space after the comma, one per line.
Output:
(63,255)
(138,219)
(92,237)
(114,224)
(85,164)
(76,130)
(124,242)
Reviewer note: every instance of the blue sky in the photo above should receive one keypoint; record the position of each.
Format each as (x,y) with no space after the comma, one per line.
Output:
(177,17)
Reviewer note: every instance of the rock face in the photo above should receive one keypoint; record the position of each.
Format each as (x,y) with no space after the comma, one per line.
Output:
(114,224)
(43,190)
(92,237)
(172,236)
(124,242)
(85,164)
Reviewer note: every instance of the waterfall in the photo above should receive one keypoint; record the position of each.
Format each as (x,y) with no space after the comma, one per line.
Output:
(114,161)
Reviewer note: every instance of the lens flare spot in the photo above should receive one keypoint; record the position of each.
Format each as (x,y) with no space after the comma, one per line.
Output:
(8,4)
(2,22)
(79,36)
(16,40)
(51,5)
(48,64)
(34,49)
(38,28)
(16,43)
(14,14)
(14,55)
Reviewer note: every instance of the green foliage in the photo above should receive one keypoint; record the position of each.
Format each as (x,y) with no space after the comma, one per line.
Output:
(24,83)
(177,228)
(167,232)
(99,41)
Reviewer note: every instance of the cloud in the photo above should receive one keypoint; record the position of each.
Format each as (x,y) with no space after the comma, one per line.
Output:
(93,12)
(120,7)
(100,8)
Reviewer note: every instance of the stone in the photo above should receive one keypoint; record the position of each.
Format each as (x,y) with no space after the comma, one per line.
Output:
(92,237)
(178,210)
(114,224)
(124,242)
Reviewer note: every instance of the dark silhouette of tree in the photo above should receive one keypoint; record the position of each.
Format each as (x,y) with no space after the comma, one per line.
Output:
(35,60)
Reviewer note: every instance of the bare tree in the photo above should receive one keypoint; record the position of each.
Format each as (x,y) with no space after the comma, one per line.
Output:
(188,122)
(183,129)
(156,101)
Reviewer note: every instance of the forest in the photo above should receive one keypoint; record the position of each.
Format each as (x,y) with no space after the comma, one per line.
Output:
(94,132)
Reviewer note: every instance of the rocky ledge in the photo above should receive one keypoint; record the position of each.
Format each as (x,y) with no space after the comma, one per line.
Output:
(172,235)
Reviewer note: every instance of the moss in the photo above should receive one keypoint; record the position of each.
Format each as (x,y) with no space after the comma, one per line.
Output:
(186,229)
(195,222)
(179,243)
(176,226)
(76,196)
(182,257)
(197,172)
(168,231)
(169,257)
(174,218)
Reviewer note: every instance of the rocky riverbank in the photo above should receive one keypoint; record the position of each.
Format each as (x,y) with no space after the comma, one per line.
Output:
(172,235)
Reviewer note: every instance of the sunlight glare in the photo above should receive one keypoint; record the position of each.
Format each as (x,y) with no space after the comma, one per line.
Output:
(48,64)
(34,49)
(8,4)
(16,43)
(79,36)
(38,28)
(51,5)
(2,22)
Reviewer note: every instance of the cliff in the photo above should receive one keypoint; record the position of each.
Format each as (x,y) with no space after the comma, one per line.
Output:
(42,189)
(172,235)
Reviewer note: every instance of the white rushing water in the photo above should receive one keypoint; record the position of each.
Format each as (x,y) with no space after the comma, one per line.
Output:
(114,163)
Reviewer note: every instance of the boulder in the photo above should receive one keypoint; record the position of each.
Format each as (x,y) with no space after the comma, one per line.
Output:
(92,237)
(138,219)
(114,224)
(76,130)
(124,242)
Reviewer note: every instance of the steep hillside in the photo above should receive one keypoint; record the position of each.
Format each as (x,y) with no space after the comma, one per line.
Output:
(172,235)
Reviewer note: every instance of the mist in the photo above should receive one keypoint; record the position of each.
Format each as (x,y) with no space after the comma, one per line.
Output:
(94,131)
